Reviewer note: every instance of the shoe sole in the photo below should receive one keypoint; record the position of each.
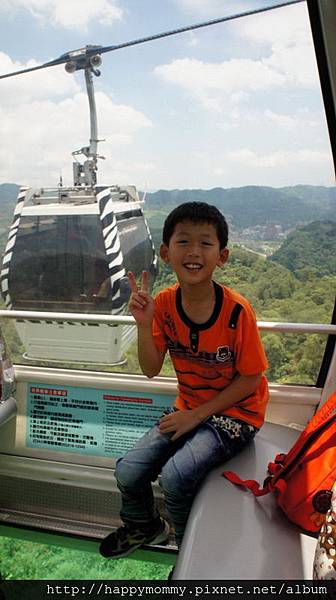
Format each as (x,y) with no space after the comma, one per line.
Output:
(124,553)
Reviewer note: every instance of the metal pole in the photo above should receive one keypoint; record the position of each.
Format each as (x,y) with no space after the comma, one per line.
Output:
(93,114)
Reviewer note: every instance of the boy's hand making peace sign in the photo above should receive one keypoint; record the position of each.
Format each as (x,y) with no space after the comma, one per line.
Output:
(141,303)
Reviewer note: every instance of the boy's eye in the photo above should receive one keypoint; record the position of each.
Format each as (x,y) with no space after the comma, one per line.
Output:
(207,243)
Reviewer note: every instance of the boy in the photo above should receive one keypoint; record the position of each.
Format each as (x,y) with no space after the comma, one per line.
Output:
(211,334)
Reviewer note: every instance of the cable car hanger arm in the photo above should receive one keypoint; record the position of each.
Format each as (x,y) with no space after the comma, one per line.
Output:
(89,51)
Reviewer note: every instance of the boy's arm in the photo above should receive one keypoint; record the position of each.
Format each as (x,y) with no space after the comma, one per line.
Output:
(150,358)
(142,307)
(185,420)
(241,387)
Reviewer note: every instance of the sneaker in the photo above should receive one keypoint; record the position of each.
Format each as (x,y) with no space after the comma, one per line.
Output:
(128,538)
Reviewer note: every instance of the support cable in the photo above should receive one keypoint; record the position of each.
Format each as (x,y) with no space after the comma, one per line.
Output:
(103,49)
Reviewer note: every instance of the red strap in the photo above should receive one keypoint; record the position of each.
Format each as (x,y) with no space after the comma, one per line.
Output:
(273,468)
(281,486)
(249,484)
(280,458)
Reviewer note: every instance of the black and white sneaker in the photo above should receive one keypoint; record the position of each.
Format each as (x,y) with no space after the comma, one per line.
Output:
(128,538)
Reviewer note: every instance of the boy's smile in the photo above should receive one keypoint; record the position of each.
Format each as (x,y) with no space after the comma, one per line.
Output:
(192,266)
(194,252)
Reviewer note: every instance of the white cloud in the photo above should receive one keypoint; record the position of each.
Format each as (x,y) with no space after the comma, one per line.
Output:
(38,137)
(126,172)
(282,167)
(290,122)
(47,83)
(284,26)
(245,166)
(280,158)
(286,60)
(283,121)
(245,118)
(213,83)
(231,76)
(211,8)
(70,14)
(296,63)
(258,98)
(286,38)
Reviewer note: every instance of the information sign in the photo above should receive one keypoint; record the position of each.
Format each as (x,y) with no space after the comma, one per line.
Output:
(89,421)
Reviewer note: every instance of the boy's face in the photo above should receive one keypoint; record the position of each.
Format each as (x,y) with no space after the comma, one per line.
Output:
(194,252)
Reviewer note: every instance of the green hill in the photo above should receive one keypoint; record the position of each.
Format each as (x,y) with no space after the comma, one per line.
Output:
(247,206)
(254,205)
(8,193)
(312,246)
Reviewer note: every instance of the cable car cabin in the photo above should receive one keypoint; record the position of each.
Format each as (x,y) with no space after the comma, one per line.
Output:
(69,250)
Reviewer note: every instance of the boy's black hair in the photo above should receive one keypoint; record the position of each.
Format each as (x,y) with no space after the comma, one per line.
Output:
(197,212)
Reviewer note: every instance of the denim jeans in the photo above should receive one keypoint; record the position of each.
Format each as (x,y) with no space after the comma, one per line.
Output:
(183,465)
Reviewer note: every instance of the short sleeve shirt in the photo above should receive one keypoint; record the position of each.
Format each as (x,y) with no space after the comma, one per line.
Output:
(208,356)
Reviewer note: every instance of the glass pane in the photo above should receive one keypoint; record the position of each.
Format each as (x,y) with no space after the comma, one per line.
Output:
(59,263)
(213,106)
(135,245)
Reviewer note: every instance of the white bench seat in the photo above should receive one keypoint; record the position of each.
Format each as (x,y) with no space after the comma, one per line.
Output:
(233,535)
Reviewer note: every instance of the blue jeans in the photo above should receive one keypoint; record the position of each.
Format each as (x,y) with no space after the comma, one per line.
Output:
(183,465)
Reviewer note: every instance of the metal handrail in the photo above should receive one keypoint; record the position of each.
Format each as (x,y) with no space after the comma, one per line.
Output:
(277,326)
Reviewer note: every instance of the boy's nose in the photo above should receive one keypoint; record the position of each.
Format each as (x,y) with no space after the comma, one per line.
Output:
(194,250)
(193,253)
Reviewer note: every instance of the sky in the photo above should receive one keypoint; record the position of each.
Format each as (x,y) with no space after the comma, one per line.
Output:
(234,104)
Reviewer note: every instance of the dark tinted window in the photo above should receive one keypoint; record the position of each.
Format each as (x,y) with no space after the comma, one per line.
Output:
(128,214)
(135,244)
(59,263)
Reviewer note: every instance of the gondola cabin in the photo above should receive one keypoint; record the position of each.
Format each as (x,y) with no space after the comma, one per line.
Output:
(69,250)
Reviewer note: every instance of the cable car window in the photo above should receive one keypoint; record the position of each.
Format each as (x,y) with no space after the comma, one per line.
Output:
(60,264)
(128,214)
(135,243)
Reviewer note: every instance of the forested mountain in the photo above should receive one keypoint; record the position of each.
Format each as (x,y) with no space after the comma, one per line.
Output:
(312,246)
(257,205)
(8,193)
(247,206)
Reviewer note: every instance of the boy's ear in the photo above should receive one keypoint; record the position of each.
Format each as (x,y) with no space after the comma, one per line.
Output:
(223,257)
(164,253)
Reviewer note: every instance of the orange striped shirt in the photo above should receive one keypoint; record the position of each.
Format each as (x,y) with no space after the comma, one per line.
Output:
(207,356)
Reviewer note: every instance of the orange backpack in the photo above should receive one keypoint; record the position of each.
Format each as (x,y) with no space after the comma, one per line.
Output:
(303,478)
